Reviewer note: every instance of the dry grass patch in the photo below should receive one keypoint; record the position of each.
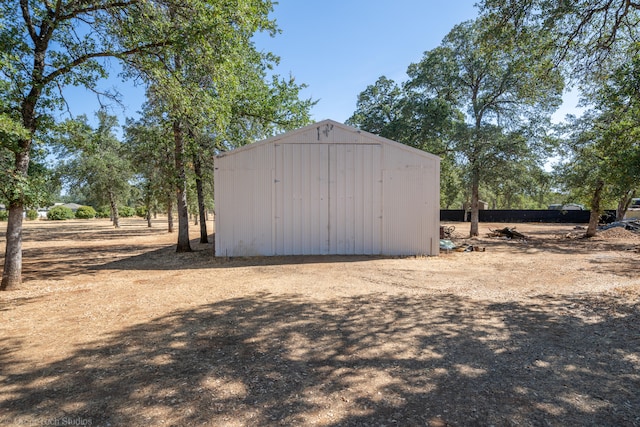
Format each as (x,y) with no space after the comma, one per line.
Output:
(113,327)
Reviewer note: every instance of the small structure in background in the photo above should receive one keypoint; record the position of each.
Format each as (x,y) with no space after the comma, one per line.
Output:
(42,212)
(324,189)
(633,212)
(566,207)
(73,206)
(466,207)
(482,205)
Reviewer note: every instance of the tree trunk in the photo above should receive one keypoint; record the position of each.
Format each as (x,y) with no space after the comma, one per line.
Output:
(594,217)
(197,166)
(115,217)
(183,212)
(169,213)
(623,204)
(12,273)
(475,196)
(148,204)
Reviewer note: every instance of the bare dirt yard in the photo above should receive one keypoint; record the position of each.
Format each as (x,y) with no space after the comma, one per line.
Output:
(113,328)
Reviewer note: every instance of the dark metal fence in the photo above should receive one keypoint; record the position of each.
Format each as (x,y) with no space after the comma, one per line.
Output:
(517,215)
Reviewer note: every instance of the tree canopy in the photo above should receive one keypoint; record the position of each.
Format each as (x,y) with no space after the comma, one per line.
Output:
(479,106)
(196,54)
(586,37)
(96,161)
(595,44)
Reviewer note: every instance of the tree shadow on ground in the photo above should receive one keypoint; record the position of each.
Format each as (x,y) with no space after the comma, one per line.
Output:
(87,230)
(202,256)
(369,360)
(553,244)
(11,303)
(51,263)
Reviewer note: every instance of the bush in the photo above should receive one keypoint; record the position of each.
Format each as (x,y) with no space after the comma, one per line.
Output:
(4,215)
(85,212)
(126,211)
(60,213)
(32,214)
(103,212)
(141,211)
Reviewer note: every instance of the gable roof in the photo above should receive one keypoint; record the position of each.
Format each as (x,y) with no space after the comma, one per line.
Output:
(329,122)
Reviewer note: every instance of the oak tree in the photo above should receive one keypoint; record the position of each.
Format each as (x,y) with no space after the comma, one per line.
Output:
(47,46)
(495,86)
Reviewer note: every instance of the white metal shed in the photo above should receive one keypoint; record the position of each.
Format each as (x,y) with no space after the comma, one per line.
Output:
(324,189)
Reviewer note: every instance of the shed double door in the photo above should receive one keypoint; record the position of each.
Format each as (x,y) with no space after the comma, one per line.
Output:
(328,199)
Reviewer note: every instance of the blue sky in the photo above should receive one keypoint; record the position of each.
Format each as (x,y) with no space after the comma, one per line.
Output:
(336,47)
(339,47)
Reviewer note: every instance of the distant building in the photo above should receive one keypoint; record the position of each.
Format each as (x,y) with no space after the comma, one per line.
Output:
(73,206)
(566,207)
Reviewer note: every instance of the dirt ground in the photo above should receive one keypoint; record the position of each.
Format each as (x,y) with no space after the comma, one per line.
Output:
(113,328)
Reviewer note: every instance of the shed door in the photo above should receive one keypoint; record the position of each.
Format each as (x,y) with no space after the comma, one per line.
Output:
(355,202)
(302,199)
(328,199)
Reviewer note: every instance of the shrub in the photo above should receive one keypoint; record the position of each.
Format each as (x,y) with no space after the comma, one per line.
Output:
(85,212)
(126,211)
(103,212)
(32,214)
(59,213)
(141,211)
(4,215)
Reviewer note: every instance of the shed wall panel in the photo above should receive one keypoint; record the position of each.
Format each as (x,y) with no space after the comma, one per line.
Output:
(301,193)
(329,134)
(398,157)
(408,213)
(355,198)
(243,186)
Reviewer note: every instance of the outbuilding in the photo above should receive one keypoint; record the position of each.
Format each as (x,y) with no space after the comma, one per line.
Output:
(326,189)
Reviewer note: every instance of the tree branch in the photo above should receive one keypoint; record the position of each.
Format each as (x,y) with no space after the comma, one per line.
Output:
(96,7)
(26,15)
(89,56)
